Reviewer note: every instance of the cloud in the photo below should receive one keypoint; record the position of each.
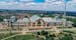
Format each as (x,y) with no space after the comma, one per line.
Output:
(48,5)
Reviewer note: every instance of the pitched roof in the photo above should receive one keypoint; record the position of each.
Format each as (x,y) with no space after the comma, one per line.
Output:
(48,19)
(23,20)
(34,18)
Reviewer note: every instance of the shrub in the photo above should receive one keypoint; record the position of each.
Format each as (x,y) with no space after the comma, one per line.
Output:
(44,33)
(38,33)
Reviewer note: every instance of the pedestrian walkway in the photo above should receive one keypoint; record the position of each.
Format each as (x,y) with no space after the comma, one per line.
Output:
(10,37)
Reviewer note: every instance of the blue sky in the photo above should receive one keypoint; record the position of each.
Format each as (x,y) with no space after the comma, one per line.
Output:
(51,5)
(22,0)
(39,1)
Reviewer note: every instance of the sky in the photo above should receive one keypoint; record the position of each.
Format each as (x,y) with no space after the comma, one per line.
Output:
(48,5)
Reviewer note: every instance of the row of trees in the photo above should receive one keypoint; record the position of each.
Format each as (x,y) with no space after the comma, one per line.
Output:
(45,35)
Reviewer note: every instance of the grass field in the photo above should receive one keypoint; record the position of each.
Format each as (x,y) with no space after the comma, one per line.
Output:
(22,37)
(3,35)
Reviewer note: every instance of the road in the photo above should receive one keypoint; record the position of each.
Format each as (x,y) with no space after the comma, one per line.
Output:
(35,30)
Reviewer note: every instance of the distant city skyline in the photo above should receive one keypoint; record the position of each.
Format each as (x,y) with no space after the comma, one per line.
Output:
(49,5)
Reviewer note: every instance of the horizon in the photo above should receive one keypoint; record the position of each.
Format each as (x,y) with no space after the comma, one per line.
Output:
(32,10)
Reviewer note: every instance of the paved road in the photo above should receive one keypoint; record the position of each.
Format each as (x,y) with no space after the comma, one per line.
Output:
(37,30)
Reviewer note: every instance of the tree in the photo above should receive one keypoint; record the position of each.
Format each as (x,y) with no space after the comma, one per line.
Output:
(26,16)
(51,37)
(74,24)
(50,15)
(71,19)
(1,18)
(41,15)
(44,33)
(70,36)
(67,37)
(38,33)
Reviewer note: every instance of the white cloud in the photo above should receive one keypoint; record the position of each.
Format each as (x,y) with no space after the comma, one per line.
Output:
(54,6)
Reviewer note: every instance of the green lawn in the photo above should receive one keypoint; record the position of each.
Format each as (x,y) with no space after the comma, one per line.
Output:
(23,37)
(3,35)
(70,31)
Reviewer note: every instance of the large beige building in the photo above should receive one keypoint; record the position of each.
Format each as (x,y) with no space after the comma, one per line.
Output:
(36,23)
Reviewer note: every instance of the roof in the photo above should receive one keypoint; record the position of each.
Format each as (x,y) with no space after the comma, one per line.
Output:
(69,22)
(12,17)
(34,18)
(23,20)
(31,19)
(5,20)
(48,19)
